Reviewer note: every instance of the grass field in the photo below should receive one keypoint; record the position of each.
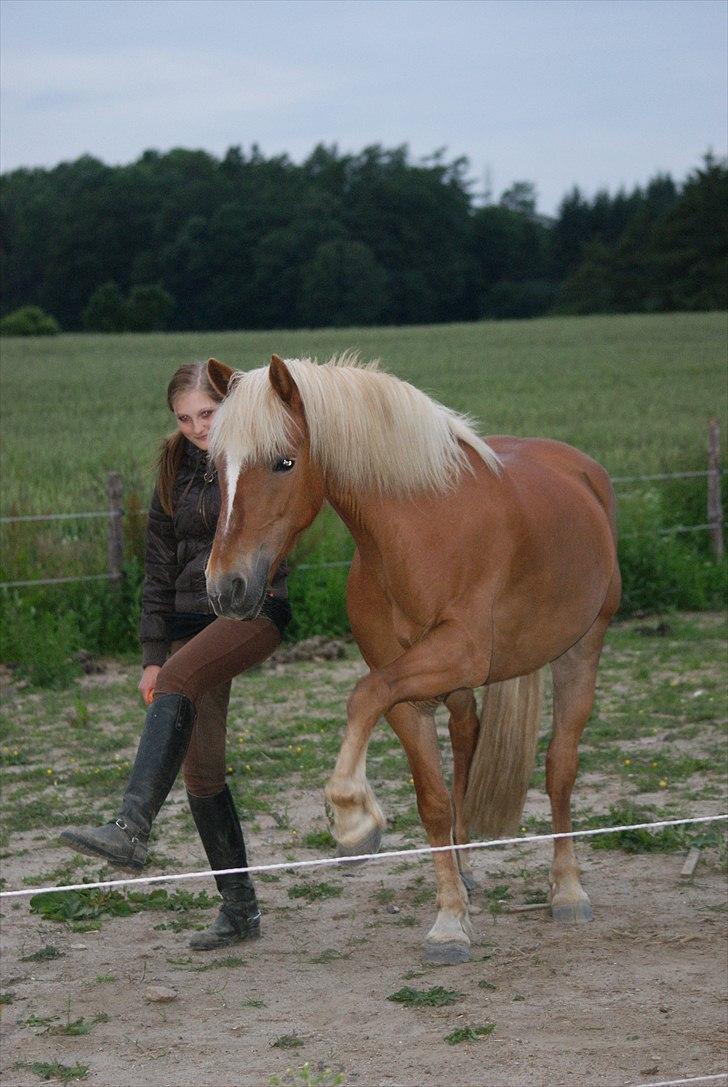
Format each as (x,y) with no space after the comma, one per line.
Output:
(633,391)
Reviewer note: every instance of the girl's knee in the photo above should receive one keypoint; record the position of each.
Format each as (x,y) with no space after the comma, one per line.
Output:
(201,781)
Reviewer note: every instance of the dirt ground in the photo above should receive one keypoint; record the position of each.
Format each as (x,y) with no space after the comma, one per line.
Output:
(637,996)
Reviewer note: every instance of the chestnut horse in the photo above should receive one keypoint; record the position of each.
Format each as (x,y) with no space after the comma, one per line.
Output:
(477,563)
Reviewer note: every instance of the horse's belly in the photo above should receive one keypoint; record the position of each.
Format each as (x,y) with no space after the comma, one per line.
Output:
(549,607)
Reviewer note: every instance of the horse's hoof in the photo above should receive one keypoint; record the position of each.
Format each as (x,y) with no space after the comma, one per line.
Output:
(573,912)
(449,953)
(469,881)
(370,844)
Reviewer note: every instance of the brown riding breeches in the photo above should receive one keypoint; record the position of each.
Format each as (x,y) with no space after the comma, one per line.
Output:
(202,668)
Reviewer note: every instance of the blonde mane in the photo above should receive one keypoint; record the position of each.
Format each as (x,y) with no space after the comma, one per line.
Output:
(368,430)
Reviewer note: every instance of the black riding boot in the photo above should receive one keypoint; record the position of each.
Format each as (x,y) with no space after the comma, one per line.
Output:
(219,827)
(160,754)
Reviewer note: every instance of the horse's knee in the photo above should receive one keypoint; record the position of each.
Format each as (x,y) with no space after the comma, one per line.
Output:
(369,699)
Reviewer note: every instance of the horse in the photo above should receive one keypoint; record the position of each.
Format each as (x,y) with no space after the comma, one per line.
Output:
(478,562)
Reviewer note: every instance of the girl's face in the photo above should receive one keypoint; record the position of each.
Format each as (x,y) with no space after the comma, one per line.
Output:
(194,412)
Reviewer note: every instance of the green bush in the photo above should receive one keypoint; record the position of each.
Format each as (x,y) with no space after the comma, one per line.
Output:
(43,646)
(662,569)
(318,602)
(43,629)
(148,308)
(106,310)
(29,321)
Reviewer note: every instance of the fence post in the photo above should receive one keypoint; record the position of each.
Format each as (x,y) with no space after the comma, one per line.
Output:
(115,540)
(715,510)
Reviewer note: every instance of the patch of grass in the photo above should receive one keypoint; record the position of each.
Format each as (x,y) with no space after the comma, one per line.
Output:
(314,892)
(499,893)
(674,839)
(318,839)
(40,1020)
(306,1076)
(253,1004)
(75,906)
(7,998)
(329,954)
(55,1070)
(43,955)
(437,997)
(287,1041)
(495,897)
(469,1034)
(178,924)
(78,1027)
(485,984)
(403,821)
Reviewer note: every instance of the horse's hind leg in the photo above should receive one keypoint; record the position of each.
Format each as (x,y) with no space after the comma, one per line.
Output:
(448,941)
(574,675)
(464,727)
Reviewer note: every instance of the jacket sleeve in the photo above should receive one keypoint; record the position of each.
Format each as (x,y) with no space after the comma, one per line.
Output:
(158,590)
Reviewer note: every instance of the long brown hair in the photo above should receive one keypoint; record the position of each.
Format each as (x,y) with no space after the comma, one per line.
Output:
(190,377)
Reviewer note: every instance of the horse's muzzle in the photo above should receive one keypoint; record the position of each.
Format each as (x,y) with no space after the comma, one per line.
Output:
(237,596)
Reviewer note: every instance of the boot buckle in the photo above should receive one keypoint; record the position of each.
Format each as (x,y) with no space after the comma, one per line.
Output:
(122,826)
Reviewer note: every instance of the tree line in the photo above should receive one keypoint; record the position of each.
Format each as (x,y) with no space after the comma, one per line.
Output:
(185,240)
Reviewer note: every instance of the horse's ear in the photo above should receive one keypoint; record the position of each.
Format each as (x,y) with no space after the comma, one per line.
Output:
(283,383)
(219,375)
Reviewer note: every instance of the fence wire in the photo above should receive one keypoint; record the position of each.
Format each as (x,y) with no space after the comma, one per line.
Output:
(109,514)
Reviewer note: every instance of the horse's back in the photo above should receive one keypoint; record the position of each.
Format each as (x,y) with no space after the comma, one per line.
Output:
(532,458)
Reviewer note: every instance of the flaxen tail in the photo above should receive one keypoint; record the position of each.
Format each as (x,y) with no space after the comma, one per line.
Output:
(504,756)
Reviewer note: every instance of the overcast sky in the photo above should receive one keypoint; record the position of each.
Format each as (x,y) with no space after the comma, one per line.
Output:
(599,93)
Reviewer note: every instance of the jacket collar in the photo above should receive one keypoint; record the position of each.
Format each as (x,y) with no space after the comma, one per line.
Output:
(194,454)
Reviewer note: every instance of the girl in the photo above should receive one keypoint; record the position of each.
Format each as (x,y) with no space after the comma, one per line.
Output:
(189,658)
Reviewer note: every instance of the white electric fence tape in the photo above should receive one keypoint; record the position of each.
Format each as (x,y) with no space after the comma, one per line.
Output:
(678,1082)
(323,862)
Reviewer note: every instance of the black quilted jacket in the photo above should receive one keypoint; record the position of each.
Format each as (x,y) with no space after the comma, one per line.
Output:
(177,551)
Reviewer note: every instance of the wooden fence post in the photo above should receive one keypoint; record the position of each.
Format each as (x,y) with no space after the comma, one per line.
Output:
(115,540)
(715,509)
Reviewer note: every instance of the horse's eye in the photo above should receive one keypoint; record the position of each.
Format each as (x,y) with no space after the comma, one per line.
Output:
(283,465)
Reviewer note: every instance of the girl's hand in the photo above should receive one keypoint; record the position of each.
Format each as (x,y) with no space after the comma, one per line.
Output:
(148,681)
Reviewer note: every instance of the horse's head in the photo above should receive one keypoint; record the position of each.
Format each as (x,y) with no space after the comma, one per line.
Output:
(270,489)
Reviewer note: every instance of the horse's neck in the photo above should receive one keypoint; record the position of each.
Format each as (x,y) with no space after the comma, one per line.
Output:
(379,530)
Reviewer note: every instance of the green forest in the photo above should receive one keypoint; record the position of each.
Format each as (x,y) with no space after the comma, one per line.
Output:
(186,241)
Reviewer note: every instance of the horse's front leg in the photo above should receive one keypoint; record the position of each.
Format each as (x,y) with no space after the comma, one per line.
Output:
(448,941)
(357,821)
(442,661)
